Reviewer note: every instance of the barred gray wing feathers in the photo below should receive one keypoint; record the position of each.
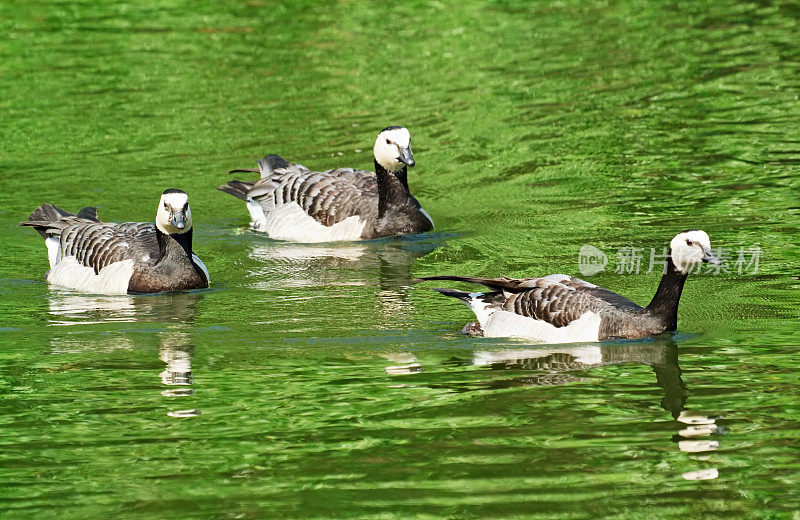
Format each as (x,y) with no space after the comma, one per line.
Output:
(98,245)
(557,299)
(329,197)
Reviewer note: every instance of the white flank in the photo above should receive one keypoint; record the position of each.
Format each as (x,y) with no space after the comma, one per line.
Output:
(202,266)
(258,219)
(290,222)
(112,279)
(176,200)
(481,309)
(53,249)
(505,324)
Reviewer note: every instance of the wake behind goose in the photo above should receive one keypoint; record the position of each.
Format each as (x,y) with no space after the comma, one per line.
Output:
(88,255)
(562,309)
(291,202)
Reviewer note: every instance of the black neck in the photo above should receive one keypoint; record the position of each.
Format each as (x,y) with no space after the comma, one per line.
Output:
(390,191)
(402,176)
(668,294)
(179,244)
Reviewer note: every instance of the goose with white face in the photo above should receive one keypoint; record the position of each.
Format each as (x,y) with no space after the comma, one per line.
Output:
(393,148)
(174,216)
(690,248)
(292,202)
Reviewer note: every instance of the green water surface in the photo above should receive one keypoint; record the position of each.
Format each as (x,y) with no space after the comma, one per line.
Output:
(317,381)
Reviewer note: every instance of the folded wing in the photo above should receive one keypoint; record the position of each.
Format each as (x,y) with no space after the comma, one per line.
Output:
(556,299)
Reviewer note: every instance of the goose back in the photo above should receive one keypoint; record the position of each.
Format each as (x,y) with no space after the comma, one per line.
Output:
(328,197)
(295,203)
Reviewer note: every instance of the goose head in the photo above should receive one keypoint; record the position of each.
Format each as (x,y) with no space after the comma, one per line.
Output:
(690,248)
(393,148)
(174,216)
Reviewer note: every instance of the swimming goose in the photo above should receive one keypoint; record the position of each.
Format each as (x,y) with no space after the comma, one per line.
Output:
(132,257)
(291,202)
(562,309)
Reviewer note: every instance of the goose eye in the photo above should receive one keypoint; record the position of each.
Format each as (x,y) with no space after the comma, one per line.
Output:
(689,242)
(388,142)
(166,207)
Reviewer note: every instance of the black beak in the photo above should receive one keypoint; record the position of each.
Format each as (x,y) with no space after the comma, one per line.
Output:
(178,219)
(710,258)
(406,157)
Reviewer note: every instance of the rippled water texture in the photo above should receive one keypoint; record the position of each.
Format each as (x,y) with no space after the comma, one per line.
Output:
(316,381)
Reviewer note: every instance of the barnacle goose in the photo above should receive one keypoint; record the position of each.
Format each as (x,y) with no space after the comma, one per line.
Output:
(132,257)
(291,202)
(562,309)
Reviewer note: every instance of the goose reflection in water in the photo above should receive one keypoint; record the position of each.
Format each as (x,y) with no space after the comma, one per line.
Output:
(553,364)
(72,309)
(177,352)
(69,308)
(176,310)
(384,264)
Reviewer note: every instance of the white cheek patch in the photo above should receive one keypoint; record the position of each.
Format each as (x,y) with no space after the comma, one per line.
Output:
(176,201)
(165,227)
(387,153)
(685,256)
(188,217)
(401,136)
(685,263)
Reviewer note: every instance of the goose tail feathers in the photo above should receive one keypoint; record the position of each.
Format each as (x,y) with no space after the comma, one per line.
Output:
(270,163)
(88,213)
(461,295)
(43,218)
(238,189)
(266,166)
